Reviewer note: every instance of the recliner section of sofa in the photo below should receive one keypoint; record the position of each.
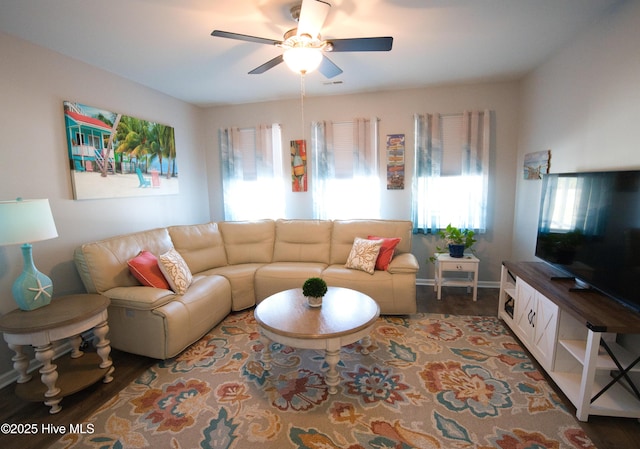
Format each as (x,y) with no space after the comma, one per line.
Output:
(236,265)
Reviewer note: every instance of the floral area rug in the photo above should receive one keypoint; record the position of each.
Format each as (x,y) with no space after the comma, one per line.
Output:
(429,381)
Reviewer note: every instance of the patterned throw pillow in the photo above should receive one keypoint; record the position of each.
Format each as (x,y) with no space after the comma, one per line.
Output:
(386,251)
(144,267)
(176,270)
(364,254)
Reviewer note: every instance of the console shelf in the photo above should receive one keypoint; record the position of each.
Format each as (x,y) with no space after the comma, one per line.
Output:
(578,349)
(573,335)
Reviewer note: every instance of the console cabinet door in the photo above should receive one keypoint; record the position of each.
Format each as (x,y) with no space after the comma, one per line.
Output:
(536,323)
(525,311)
(545,331)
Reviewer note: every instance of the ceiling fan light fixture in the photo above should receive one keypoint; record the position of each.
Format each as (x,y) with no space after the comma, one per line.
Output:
(302,60)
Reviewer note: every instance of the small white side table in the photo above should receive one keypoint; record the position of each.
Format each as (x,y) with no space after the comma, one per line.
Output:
(64,318)
(466,264)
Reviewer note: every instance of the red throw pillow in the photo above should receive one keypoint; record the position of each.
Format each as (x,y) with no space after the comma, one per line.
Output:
(144,267)
(386,251)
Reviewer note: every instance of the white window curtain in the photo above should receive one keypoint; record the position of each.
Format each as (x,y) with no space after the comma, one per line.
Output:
(459,198)
(345,181)
(252,176)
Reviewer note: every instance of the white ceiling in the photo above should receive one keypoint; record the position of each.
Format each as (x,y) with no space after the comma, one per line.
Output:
(166,44)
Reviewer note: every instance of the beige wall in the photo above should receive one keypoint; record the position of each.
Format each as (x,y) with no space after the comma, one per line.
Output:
(584,105)
(395,111)
(33,160)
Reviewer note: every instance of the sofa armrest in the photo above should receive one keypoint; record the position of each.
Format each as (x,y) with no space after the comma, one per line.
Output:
(139,297)
(403,263)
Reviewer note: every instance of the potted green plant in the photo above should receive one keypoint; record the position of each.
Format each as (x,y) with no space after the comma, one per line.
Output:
(458,240)
(314,289)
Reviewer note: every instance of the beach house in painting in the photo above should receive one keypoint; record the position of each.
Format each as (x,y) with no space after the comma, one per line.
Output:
(87,140)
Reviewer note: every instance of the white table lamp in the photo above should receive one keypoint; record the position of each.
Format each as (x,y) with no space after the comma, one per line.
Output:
(27,221)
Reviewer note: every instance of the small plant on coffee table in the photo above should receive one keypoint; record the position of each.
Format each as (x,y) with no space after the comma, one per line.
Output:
(314,289)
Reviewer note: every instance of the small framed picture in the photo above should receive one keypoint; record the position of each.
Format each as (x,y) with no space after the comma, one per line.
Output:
(536,164)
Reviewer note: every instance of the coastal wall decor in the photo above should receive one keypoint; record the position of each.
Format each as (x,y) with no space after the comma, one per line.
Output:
(536,164)
(395,161)
(112,155)
(298,165)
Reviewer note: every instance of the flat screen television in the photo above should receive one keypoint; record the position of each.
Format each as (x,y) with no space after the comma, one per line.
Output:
(589,228)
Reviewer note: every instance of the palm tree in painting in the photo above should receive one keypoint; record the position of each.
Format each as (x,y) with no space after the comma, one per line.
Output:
(162,145)
(167,141)
(133,137)
(155,147)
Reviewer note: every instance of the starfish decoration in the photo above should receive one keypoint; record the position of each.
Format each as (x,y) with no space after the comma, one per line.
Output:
(41,290)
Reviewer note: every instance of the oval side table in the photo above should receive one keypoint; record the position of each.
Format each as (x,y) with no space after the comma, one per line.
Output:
(64,318)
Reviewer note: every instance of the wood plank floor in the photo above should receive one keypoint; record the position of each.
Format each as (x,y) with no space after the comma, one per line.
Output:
(606,433)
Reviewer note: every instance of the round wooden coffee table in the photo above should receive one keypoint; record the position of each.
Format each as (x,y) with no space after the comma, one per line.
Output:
(345,317)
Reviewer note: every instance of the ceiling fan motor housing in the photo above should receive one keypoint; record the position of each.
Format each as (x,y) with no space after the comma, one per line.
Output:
(293,40)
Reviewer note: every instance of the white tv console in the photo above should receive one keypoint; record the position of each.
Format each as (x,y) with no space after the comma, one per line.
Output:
(572,335)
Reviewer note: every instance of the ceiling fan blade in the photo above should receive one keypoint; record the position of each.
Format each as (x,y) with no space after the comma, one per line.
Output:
(244,37)
(328,68)
(362,44)
(313,13)
(267,65)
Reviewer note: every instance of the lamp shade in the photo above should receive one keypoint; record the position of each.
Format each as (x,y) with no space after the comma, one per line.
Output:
(302,59)
(26,221)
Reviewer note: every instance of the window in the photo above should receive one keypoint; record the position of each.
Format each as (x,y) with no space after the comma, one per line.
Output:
(252,177)
(345,169)
(451,171)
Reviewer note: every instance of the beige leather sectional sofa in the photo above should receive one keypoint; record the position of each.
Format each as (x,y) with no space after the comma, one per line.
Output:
(236,265)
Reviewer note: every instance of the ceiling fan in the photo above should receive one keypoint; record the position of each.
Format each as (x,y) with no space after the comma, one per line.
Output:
(304,48)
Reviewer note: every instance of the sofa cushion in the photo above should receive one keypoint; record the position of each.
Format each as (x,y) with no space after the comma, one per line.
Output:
(278,276)
(363,255)
(242,280)
(248,241)
(345,231)
(176,270)
(144,268)
(302,241)
(386,251)
(200,245)
(205,304)
(394,293)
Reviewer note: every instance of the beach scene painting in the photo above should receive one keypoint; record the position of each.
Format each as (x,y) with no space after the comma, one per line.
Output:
(112,155)
(536,164)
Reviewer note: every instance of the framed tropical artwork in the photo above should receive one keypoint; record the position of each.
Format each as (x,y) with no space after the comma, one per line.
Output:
(298,165)
(112,155)
(395,161)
